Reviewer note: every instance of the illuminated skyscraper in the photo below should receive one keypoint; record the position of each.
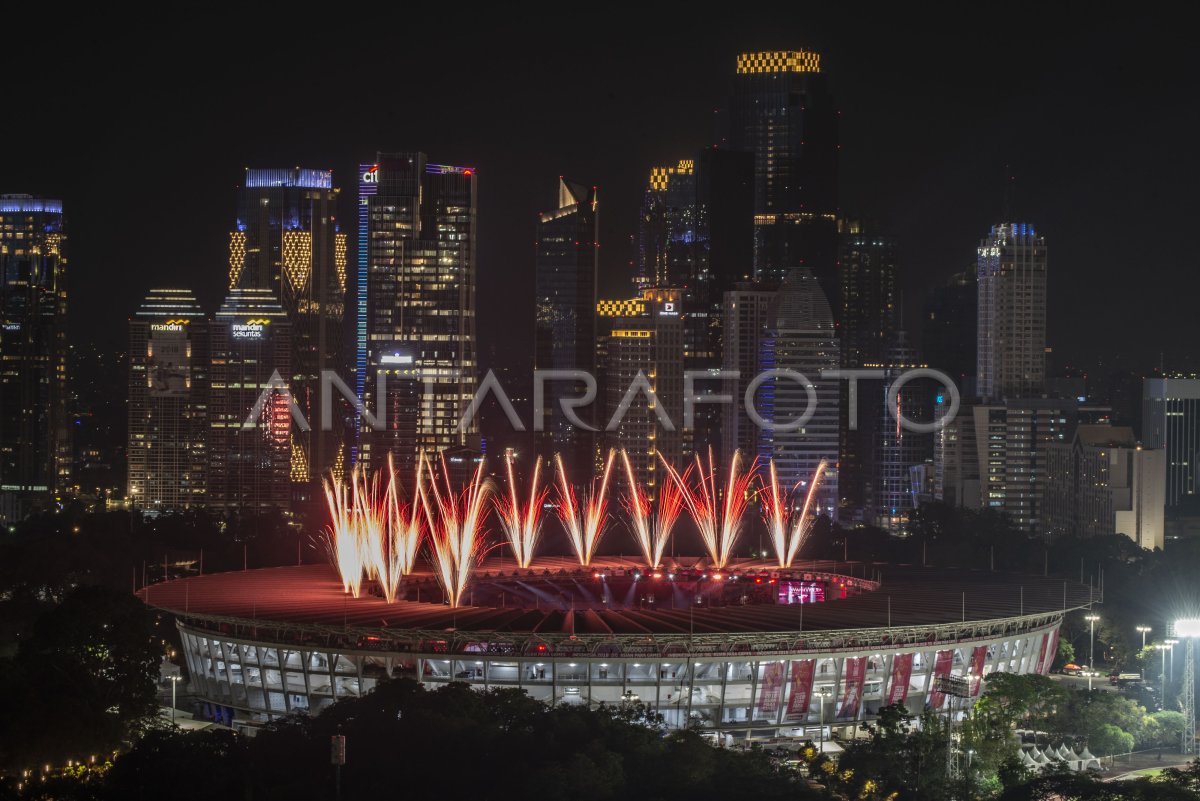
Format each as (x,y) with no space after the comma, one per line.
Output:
(747,351)
(868,323)
(782,112)
(168,394)
(891,496)
(565,296)
(35,447)
(1012,312)
(867,263)
(802,339)
(416,312)
(287,240)
(644,335)
(670,252)
(696,234)
(1012,440)
(249,466)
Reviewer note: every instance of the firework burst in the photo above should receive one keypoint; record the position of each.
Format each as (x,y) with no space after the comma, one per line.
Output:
(370,520)
(718,516)
(651,530)
(804,524)
(373,536)
(342,538)
(584,524)
(455,528)
(403,538)
(522,525)
(787,529)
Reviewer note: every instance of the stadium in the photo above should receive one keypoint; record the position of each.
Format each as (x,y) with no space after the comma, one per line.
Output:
(753,651)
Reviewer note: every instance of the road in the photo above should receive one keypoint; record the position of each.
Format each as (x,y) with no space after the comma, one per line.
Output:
(1081,682)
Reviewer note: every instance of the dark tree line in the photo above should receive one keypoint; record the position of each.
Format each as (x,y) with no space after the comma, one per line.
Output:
(403,740)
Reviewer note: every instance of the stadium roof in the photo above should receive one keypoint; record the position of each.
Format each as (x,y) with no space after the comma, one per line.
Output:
(908,596)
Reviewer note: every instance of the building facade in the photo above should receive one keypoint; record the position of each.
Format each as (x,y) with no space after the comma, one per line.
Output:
(746,320)
(783,112)
(1012,440)
(565,271)
(35,444)
(167,451)
(867,262)
(287,239)
(696,234)
(642,340)
(1011,308)
(956,480)
(802,340)
(1101,483)
(1171,421)
(897,451)
(416,306)
(249,406)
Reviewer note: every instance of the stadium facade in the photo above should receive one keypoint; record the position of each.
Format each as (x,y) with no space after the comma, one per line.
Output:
(756,652)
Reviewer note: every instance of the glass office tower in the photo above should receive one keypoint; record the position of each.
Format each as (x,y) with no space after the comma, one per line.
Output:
(416,306)
(35,447)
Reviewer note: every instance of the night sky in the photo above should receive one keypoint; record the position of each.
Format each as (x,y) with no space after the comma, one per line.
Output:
(145,138)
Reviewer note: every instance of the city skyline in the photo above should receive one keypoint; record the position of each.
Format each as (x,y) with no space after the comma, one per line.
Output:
(934,180)
(783,404)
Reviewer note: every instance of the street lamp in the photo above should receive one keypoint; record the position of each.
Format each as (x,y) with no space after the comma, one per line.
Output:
(824,693)
(174,684)
(1162,648)
(1144,631)
(1091,619)
(1171,670)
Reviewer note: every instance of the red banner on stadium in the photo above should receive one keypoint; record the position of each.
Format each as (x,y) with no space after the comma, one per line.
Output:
(1051,653)
(978,656)
(1042,653)
(941,667)
(901,673)
(856,676)
(802,684)
(771,692)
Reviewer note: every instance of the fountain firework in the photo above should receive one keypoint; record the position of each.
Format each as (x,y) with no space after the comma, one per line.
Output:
(373,535)
(342,538)
(403,539)
(789,530)
(522,525)
(718,518)
(455,528)
(652,532)
(584,524)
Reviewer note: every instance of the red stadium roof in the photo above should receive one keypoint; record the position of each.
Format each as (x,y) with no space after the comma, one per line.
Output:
(313,595)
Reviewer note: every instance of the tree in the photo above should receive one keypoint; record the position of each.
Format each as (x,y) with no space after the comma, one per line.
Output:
(1164,728)
(86,679)
(1065,653)
(1029,699)
(900,756)
(499,742)
(1109,739)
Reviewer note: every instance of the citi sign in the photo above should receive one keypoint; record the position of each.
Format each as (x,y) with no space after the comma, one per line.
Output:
(370,175)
